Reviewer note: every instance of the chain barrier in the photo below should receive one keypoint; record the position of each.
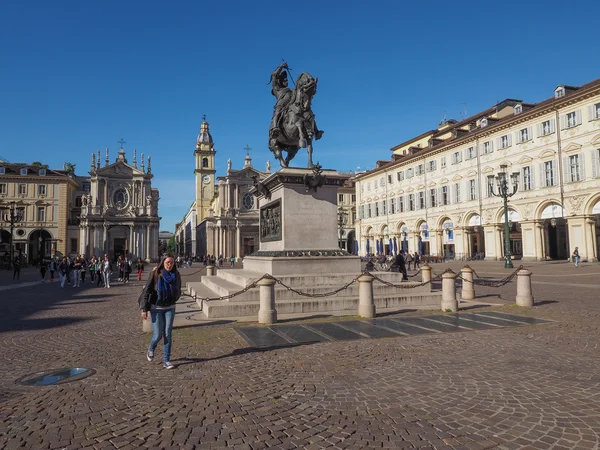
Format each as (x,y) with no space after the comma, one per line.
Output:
(400,286)
(415,274)
(492,283)
(325,294)
(435,277)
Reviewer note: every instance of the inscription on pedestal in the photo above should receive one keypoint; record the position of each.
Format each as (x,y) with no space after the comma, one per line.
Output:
(270,222)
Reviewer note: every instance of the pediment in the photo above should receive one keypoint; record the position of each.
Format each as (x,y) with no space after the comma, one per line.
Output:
(572,148)
(120,169)
(431,184)
(410,189)
(444,180)
(471,173)
(525,160)
(456,178)
(487,169)
(421,186)
(595,140)
(547,154)
(400,191)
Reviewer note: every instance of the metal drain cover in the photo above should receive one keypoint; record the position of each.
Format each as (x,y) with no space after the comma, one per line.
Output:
(57,376)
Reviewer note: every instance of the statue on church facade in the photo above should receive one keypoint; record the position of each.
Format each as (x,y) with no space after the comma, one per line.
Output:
(293,125)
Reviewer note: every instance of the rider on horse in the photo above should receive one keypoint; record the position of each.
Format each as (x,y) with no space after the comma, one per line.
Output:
(293,124)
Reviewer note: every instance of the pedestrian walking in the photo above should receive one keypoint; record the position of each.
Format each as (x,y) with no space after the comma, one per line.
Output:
(106,271)
(576,256)
(232,260)
(84,267)
(98,269)
(76,271)
(52,269)
(120,268)
(43,269)
(408,259)
(401,263)
(92,269)
(159,297)
(16,268)
(63,271)
(140,268)
(126,270)
(416,261)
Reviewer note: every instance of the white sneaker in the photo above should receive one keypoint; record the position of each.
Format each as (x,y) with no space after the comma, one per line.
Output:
(168,365)
(149,355)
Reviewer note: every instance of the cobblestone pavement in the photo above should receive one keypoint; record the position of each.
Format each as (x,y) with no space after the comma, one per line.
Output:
(531,387)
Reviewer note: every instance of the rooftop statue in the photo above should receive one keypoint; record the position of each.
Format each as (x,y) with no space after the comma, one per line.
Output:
(293,124)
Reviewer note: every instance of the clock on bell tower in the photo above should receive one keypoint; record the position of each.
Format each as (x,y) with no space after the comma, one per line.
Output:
(205,171)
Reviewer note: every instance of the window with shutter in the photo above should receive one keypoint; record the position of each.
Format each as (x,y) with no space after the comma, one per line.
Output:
(582,166)
(596,163)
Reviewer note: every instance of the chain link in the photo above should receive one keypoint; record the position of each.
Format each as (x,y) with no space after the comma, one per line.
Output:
(492,283)
(305,294)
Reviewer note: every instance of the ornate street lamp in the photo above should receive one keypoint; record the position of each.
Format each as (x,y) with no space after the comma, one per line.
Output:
(504,191)
(341,221)
(13,216)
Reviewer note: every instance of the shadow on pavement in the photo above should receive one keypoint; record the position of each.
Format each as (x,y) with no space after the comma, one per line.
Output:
(41,324)
(238,352)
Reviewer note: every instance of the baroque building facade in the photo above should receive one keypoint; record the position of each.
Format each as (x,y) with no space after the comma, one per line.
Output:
(118,214)
(436,194)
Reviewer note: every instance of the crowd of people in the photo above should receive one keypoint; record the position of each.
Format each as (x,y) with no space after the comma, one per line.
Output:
(73,271)
(207,260)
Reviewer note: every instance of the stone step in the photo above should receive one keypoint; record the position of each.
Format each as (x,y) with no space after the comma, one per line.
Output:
(224,308)
(245,277)
(221,287)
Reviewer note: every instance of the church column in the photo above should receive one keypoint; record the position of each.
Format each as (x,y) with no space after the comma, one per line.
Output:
(232,235)
(591,222)
(238,238)
(105,240)
(130,248)
(147,241)
(236,199)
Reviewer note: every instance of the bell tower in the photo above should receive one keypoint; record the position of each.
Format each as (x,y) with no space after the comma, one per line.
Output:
(205,171)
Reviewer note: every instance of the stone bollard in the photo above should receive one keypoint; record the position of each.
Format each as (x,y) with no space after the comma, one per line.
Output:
(425,273)
(366,304)
(524,294)
(468,288)
(449,291)
(267,312)
(147,324)
(210,271)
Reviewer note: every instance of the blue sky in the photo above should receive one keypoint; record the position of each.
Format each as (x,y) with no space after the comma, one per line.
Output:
(77,76)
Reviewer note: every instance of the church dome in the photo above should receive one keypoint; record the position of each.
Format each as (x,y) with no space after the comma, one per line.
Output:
(204,137)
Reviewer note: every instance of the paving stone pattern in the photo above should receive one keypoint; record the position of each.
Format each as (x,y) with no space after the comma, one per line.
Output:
(525,387)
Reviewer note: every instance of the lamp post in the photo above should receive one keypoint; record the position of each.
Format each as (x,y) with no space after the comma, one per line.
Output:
(504,191)
(14,216)
(341,220)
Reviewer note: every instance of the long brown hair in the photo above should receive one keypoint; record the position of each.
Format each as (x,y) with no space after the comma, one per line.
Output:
(157,271)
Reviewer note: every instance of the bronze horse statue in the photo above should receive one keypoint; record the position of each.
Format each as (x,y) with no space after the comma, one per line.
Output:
(293,126)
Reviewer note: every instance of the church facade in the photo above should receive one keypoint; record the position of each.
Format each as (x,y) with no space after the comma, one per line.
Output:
(118,211)
(223,220)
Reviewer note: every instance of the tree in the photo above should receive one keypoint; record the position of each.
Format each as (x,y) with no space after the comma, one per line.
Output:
(171,246)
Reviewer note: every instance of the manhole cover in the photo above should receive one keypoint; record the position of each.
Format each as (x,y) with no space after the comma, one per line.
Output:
(57,376)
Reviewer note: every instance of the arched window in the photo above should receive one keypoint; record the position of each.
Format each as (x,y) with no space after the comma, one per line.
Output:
(204,162)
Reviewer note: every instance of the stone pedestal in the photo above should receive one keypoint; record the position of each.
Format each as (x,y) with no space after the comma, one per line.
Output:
(298,230)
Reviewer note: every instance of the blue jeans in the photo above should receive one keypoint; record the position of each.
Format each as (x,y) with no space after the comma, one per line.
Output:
(162,325)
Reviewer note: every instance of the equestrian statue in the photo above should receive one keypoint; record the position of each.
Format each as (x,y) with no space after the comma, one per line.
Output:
(293,124)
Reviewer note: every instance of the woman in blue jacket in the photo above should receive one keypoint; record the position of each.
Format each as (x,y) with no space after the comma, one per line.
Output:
(162,291)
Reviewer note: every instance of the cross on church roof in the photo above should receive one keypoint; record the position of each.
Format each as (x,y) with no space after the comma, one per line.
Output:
(247,148)
(203,117)
(121,142)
